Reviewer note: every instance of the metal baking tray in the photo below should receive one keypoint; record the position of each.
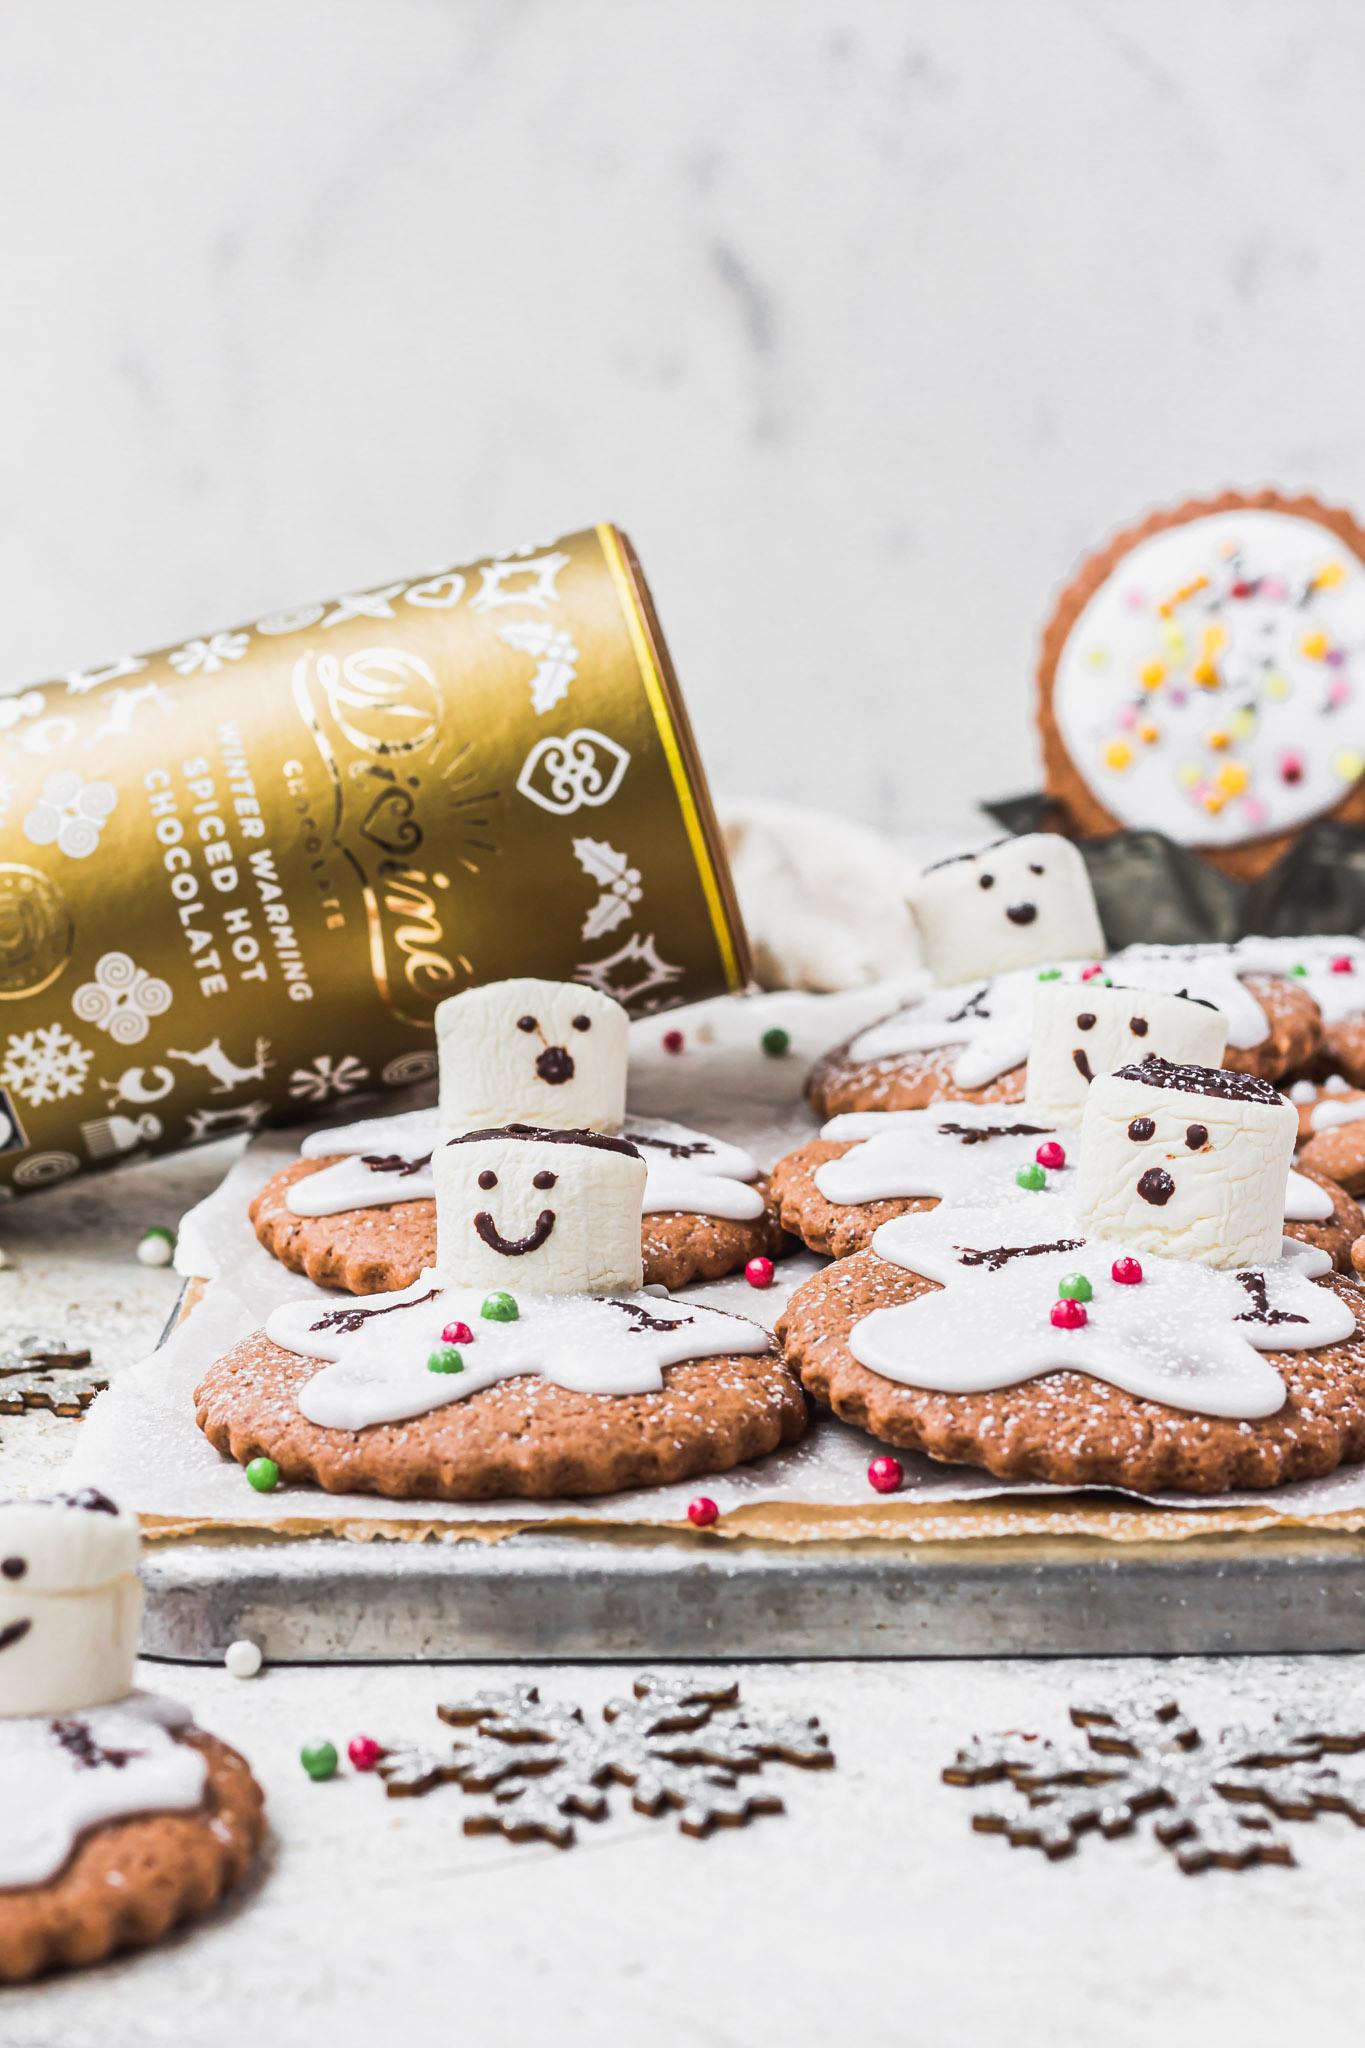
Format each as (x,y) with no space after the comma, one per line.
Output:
(564,1596)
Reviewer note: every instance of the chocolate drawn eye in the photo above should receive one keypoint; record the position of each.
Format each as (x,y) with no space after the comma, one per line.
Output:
(1034,868)
(1139,1026)
(1086,1021)
(1196,1137)
(544,1180)
(582,1023)
(985,881)
(488,1179)
(527,1024)
(14,1567)
(1141,1129)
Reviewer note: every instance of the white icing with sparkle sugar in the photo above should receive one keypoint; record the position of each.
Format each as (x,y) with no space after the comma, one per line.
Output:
(61,1775)
(1329,1116)
(989,1024)
(685,1171)
(1338,994)
(971,1152)
(1235,641)
(1181,1336)
(376,1352)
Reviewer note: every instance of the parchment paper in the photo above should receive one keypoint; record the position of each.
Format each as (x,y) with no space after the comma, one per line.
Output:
(140,1442)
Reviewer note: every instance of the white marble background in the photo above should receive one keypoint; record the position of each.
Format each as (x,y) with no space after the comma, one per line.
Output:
(863,318)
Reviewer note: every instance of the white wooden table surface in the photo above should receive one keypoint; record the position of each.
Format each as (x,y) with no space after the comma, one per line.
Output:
(869,1912)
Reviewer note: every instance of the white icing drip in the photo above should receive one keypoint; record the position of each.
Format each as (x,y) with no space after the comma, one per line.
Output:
(1305,1201)
(924,1152)
(1329,1116)
(1337,995)
(909,1152)
(378,1372)
(1178,1337)
(50,1796)
(1262,694)
(989,1024)
(711,1181)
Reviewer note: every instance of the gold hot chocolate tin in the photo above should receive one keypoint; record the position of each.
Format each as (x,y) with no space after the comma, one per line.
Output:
(237,875)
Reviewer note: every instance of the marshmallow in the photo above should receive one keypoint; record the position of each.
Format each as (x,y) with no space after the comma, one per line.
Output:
(1017,903)
(70,1603)
(550,1052)
(1189,1162)
(547,1212)
(1083,1029)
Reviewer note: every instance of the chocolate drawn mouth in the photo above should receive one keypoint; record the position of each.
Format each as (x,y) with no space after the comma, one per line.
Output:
(555,1065)
(514,1247)
(1156,1187)
(14,1633)
(1021,913)
(1081,1061)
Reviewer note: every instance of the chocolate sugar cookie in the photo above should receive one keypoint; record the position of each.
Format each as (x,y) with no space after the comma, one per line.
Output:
(1195,678)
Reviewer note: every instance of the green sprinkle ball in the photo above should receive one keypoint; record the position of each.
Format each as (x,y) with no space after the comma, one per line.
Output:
(1049,974)
(319,1759)
(775,1042)
(263,1474)
(1300,969)
(445,1359)
(1031,1177)
(500,1308)
(1075,1287)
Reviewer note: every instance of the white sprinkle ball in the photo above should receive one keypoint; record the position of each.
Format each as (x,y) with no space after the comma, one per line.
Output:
(243,1658)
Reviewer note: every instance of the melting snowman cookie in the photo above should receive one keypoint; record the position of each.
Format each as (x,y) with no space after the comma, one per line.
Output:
(1187,1161)
(1084,1029)
(1016,903)
(90,1769)
(549,1052)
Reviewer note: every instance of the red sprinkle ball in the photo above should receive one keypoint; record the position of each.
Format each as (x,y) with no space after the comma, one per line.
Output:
(1069,1315)
(1128,1272)
(1051,1155)
(702,1512)
(759,1272)
(886,1475)
(364,1752)
(457,1333)
(1343,964)
(673,1041)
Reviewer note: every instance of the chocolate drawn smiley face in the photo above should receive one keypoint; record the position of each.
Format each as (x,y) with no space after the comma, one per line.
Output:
(14,1568)
(554,1064)
(516,1247)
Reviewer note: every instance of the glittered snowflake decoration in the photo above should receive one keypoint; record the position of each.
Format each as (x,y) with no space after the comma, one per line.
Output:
(556,659)
(617,880)
(121,998)
(681,1746)
(1215,1802)
(45,1064)
(70,814)
(327,1077)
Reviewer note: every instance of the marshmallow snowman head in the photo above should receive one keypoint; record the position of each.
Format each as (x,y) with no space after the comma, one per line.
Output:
(1187,1162)
(551,1052)
(550,1212)
(1016,903)
(70,1603)
(1084,1029)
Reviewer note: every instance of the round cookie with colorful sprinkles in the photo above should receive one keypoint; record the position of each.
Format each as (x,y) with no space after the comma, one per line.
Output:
(1201,676)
